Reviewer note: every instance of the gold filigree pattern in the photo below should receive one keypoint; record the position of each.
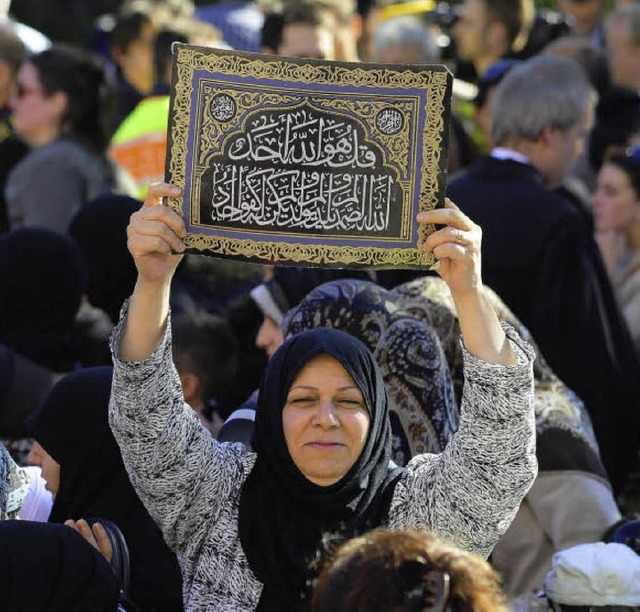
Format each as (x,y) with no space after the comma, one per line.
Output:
(210,140)
(275,252)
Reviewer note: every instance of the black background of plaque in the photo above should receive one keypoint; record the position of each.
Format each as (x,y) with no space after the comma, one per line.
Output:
(206,185)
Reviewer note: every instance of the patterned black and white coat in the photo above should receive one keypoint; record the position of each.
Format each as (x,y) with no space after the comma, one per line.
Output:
(191,484)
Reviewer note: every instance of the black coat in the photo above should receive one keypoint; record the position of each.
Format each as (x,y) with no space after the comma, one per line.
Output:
(539,255)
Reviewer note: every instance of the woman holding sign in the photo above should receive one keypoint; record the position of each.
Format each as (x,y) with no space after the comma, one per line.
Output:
(245,525)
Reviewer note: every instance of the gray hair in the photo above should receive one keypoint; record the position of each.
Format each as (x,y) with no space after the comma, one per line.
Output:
(406,32)
(12,49)
(629,16)
(545,90)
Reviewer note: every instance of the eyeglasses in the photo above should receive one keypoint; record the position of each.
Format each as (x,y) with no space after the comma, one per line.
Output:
(634,155)
(424,587)
(22,91)
(560,608)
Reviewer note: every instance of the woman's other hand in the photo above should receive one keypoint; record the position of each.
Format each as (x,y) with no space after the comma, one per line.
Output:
(154,238)
(95,535)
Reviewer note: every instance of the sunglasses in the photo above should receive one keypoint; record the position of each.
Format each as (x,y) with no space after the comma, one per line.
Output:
(23,91)
(423,587)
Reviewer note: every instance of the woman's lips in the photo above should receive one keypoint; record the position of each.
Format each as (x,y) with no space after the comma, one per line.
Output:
(324,445)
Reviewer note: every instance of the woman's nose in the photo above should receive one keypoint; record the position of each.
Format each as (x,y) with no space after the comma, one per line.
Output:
(325,414)
(35,457)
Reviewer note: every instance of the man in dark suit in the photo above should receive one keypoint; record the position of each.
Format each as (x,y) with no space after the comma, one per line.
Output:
(539,253)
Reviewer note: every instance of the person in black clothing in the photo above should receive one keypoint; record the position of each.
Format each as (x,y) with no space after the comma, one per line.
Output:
(81,463)
(12,149)
(539,253)
(51,568)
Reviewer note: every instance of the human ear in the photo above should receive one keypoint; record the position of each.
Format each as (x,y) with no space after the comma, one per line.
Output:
(60,102)
(190,386)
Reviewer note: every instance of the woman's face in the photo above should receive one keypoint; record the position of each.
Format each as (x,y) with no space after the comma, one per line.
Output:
(270,337)
(36,115)
(615,203)
(325,421)
(48,465)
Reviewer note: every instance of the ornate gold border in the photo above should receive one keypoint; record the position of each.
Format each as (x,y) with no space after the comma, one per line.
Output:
(190,58)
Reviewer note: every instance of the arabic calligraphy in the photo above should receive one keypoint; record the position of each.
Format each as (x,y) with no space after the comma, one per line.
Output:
(301,169)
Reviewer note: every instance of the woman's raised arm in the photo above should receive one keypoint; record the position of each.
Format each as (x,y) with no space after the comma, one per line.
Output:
(154,238)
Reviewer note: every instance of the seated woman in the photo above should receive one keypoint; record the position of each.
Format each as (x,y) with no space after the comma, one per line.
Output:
(84,472)
(406,571)
(50,568)
(245,524)
(571,501)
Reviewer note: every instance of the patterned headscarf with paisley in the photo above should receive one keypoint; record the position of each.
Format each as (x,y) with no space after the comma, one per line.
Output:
(423,409)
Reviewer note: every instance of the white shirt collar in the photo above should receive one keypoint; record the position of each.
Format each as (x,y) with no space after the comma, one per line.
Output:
(504,153)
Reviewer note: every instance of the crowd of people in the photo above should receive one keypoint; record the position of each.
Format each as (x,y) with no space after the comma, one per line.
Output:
(179,432)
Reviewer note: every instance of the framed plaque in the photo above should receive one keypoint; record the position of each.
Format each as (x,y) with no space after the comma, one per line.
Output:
(306,162)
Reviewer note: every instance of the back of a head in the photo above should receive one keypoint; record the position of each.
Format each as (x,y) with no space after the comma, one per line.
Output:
(307,13)
(204,344)
(100,230)
(162,51)
(82,78)
(582,50)
(50,568)
(543,91)
(43,279)
(406,571)
(617,120)
(129,23)
(405,32)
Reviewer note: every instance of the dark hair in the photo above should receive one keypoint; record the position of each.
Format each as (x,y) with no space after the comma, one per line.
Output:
(516,15)
(128,28)
(398,570)
(204,345)
(304,12)
(630,167)
(617,119)
(162,50)
(271,34)
(83,79)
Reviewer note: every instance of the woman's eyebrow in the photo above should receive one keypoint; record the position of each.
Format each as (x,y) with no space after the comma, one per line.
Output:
(312,388)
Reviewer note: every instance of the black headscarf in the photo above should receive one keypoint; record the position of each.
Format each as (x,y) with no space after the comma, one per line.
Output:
(72,426)
(50,568)
(42,279)
(283,515)
(100,229)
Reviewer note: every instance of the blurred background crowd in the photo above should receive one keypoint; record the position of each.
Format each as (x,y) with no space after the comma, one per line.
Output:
(543,153)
